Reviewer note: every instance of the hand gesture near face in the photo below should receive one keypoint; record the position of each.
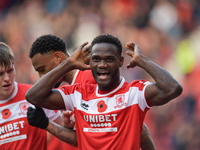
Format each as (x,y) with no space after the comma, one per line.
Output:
(80,57)
(135,53)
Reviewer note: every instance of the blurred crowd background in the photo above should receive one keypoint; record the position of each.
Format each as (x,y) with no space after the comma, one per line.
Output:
(167,31)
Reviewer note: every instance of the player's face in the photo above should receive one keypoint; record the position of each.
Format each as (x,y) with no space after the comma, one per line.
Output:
(44,63)
(7,78)
(105,62)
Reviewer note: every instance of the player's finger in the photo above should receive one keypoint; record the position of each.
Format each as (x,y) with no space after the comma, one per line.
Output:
(30,108)
(87,67)
(66,113)
(131,44)
(129,53)
(128,66)
(38,108)
(83,45)
(87,49)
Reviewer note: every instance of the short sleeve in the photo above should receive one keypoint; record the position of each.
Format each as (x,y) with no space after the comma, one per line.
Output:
(67,100)
(52,114)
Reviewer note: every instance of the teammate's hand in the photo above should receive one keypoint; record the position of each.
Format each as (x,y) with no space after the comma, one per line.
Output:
(37,117)
(68,119)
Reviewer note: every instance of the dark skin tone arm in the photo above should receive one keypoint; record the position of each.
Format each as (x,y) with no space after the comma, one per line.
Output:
(146,139)
(165,87)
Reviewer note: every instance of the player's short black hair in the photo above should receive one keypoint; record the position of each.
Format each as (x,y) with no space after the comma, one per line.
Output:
(47,43)
(107,38)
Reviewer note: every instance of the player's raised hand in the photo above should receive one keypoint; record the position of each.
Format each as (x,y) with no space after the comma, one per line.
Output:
(81,57)
(134,52)
(87,51)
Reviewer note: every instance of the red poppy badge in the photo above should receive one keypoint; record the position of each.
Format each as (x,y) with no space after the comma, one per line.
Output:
(6,113)
(101,105)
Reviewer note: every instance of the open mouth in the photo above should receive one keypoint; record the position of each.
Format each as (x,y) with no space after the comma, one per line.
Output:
(103,75)
(7,85)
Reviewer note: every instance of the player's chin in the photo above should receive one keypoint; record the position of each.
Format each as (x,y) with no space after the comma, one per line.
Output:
(104,82)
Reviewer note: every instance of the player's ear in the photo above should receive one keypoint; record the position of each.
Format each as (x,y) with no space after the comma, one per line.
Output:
(58,56)
(121,61)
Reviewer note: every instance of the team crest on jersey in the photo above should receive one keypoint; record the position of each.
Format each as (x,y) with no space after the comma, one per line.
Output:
(101,106)
(23,108)
(6,113)
(120,101)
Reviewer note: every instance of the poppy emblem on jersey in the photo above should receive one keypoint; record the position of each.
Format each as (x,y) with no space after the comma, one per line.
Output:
(23,108)
(6,113)
(120,101)
(101,105)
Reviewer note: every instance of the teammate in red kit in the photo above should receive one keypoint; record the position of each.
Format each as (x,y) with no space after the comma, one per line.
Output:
(15,132)
(47,52)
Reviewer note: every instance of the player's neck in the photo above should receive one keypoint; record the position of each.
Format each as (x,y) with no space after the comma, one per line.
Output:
(110,87)
(69,76)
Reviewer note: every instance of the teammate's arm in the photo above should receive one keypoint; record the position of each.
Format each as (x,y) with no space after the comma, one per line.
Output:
(62,133)
(37,118)
(146,139)
(42,94)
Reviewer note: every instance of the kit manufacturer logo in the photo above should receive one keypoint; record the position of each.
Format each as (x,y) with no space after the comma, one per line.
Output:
(85,106)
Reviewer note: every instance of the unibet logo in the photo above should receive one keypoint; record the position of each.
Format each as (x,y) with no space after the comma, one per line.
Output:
(100,118)
(11,127)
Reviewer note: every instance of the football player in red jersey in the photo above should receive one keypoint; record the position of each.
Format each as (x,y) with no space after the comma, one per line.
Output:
(15,131)
(102,123)
(47,52)
(106,79)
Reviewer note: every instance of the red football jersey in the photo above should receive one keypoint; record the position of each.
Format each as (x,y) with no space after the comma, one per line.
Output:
(79,77)
(111,120)
(85,77)
(15,132)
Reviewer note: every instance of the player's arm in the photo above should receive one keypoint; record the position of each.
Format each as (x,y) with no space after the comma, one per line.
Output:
(42,93)
(36,117)
(59,121)
(146,139)
(64,134)
(165,87)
